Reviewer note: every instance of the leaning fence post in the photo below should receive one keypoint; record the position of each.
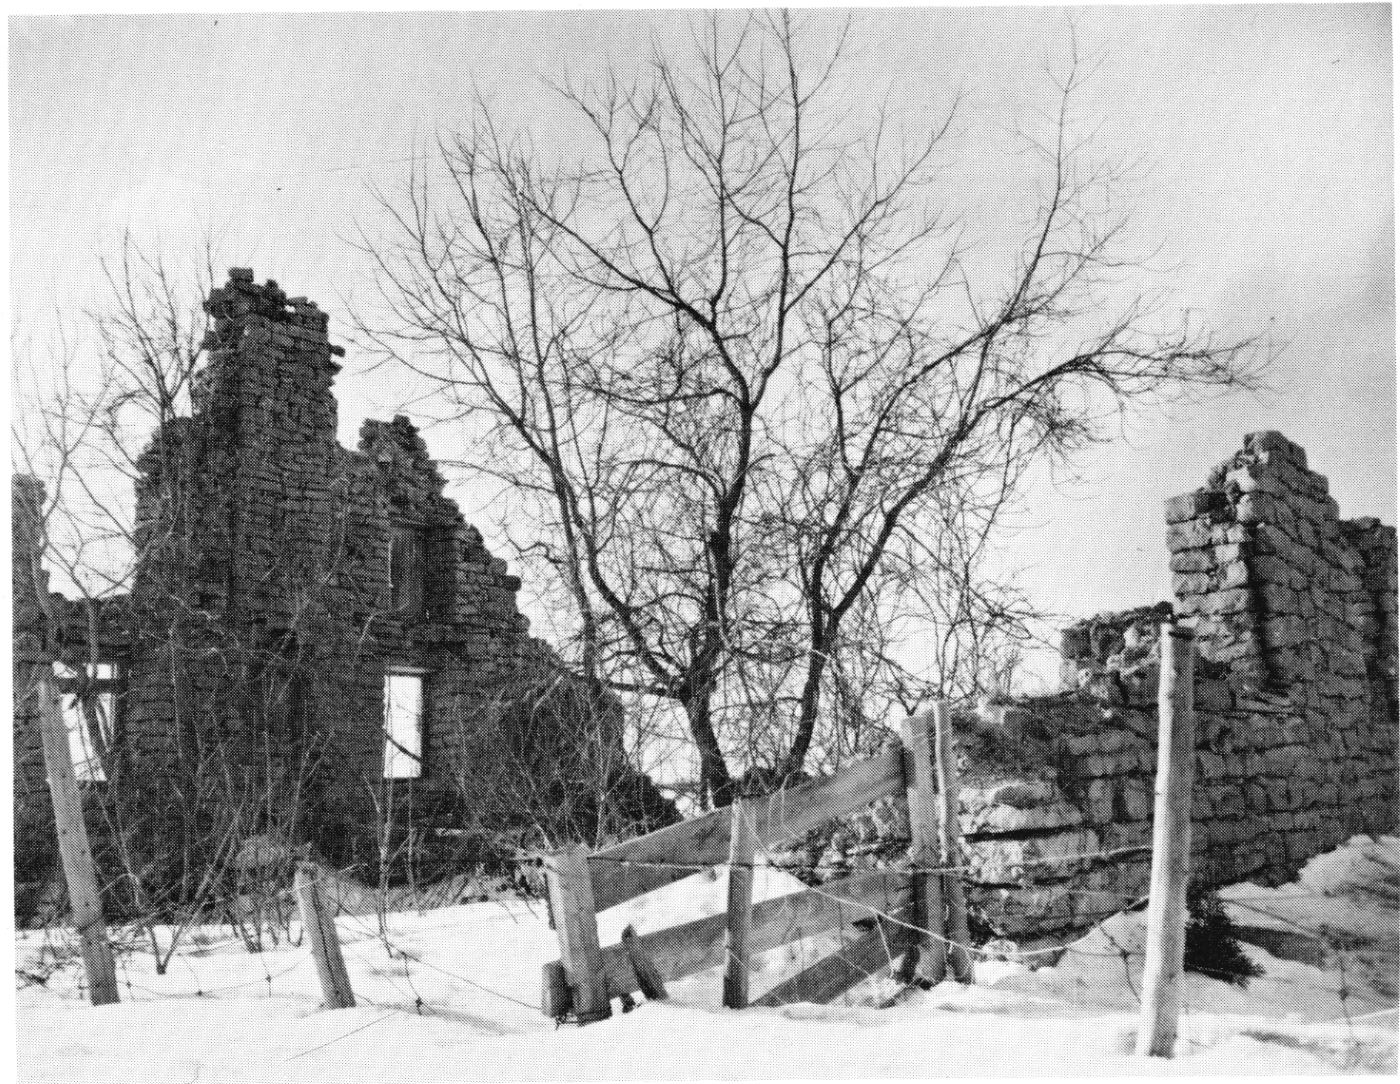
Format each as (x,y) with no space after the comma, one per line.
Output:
(929,953)
(576,922)
(1171,844)
(959,949)
(74,849)
(325,943)
(740,914)
(644,967)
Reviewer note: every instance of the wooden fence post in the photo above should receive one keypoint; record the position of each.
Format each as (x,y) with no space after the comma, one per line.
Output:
(960,951)
(325,943)
(929,957)
(571,900)
(1171,844)
(74,849)
(740,915)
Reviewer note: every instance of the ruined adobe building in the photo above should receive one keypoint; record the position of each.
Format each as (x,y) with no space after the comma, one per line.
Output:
(1296,715)
(287,583)
(287,589)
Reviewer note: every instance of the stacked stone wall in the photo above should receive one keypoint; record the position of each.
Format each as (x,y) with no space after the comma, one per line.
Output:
(1294,612)
(256,638)
(1296,722)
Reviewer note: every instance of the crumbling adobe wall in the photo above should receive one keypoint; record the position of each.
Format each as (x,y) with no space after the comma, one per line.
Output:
(1295,616)
(1296,721)
(1292,606)
(256,637)
(474,639)
(276,582)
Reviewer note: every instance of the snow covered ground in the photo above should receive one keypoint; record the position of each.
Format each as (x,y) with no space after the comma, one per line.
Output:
(462,1005)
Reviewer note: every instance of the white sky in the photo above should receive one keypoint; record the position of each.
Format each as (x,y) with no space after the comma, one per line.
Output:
(1263,137)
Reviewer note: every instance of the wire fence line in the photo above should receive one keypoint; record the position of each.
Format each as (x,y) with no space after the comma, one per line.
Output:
(409,994)
(1353,1047)
(1349,1052)
(901,867)
(392,946)
(363,925)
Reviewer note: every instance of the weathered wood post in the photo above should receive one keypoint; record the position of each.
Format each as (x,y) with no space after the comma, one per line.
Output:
(576,922)
(74,849)
(1171,844)
(644,967)
(740,914)
(325,942)
(960,949)
(928,958)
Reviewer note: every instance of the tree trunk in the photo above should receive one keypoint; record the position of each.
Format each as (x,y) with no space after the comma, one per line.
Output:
(808,707)
(714,773)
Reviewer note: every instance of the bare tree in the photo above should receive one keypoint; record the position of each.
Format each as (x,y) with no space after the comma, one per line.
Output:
(738,355)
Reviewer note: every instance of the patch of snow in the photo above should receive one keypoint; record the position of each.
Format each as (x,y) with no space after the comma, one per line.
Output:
(1346,904)
(462,1004)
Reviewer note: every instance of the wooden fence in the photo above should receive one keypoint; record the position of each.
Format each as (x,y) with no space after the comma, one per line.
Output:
(860,907)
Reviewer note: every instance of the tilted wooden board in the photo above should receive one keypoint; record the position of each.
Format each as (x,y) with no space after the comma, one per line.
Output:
(837,973)
(704,841)
(699,945)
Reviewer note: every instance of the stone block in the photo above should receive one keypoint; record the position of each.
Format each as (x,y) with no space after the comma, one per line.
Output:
(1233,574)
(1259,507)
(1192,505)
(1269,540)
(1000,819)
(1276,444)
(1019,794)
(1189,534)
(1018,912)
(1258,478)
(1278,599)
(1137,798)
(1236,600)
(1099,801)
(1008,861)
(1193,561)
(1192,583)
(1213,694)
(1224,535)
(1281,630)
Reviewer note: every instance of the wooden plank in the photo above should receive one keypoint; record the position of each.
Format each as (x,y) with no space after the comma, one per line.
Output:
(946,765)
(1171,845)
(927,958)
(648,978)
(835,974)
(325,943)
(699,945)
(74,849)
(739,914)
(704,841)
(576,923)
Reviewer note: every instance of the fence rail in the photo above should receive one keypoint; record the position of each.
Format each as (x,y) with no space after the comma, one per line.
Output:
(875,912)
(627,870)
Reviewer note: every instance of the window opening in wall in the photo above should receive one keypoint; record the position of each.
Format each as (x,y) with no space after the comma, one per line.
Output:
(91,721)
(406,570)
(403,724)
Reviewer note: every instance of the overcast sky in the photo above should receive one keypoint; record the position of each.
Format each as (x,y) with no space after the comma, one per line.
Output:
(1261,138)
